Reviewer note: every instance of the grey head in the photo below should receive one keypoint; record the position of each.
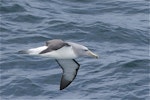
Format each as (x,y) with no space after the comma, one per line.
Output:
(81,50)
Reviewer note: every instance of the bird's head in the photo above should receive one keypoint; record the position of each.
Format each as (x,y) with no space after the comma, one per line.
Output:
(81,50)
(85,51)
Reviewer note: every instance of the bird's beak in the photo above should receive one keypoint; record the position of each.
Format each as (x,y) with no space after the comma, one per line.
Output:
(90,53)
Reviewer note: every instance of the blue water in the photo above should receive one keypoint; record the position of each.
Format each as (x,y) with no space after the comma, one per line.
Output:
(117,30)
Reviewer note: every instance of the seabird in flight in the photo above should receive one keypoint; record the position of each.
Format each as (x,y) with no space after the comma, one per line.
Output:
(65,54)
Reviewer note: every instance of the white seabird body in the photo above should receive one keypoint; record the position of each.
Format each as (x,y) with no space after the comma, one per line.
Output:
(65,54)
(62,53)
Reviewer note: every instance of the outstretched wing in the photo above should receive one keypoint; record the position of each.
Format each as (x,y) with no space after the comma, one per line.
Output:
(70,68)
(54,45)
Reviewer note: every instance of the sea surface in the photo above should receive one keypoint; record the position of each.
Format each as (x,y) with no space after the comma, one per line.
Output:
(117,30)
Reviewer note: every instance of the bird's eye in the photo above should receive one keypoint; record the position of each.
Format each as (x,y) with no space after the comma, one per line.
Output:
(85,50)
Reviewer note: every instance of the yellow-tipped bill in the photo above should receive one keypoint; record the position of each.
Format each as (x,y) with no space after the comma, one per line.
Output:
(90,53)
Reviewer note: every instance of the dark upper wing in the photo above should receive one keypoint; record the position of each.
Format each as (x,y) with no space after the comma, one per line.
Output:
(70,68)
(54,45)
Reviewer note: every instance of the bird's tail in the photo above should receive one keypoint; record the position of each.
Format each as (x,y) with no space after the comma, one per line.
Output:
(23,52)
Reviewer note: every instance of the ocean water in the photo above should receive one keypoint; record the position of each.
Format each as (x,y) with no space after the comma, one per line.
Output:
(117,30)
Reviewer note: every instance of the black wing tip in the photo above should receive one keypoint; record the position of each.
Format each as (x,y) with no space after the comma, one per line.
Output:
(61,88)
(42,52)
(45,51)
(64,84)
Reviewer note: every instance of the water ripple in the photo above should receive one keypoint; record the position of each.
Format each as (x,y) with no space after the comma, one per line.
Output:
(117,30)
(12,9)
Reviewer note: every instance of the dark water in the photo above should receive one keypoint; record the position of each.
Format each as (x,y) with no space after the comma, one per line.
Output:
(117,30)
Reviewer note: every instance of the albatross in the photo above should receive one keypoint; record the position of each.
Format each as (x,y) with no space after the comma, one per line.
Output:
(65,54)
